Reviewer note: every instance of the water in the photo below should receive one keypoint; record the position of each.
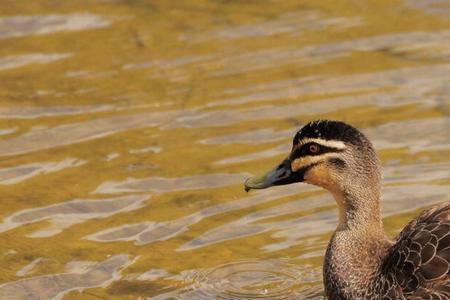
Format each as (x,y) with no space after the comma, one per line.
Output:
(128,128)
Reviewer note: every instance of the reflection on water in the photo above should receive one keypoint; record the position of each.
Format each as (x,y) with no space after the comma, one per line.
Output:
(46,138)
(305,226)
(147,232)
(428,134)
(159,185)
(15,26)
(56,285)
(250,279)
(292,23)
(71,212)
(16,61)
(20,173)
(28,268)
(393,44)
(433,7)
(250,137)
(425,79)
(33,112)
(106,105)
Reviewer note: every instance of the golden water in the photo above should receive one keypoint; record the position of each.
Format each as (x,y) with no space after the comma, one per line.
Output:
(128,127)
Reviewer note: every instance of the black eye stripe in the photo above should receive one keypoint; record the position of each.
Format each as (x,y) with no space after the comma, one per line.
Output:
(304,150)
(294,154)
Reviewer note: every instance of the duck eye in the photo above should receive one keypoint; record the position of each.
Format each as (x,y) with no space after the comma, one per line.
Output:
(313,148)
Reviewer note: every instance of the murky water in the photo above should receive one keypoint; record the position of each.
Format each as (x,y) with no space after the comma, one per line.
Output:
(127,129)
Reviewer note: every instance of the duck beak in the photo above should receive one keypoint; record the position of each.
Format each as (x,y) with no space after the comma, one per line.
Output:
(280,175)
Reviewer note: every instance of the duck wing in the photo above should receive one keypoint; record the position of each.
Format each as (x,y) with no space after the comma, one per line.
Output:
(417,266)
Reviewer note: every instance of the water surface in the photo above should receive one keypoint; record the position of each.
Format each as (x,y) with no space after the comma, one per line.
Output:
(127,129)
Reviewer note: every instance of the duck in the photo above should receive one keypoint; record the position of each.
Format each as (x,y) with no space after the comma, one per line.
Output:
(361,262)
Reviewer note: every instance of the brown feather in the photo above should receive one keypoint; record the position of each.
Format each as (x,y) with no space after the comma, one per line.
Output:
(426,240)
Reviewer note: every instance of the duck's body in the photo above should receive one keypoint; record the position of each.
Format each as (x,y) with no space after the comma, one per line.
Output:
(361,262)
(414,266)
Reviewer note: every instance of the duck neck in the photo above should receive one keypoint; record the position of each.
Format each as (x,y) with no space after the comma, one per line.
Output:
(359,207)
(354,252)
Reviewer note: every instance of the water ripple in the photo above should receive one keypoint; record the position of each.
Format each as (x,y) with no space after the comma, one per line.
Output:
(66,214)
(294,23)
(415,135)
(16,61)
(399,44)
(33,112)
(16,26)
(161,185)
(55,286)
(417,81)
(19,173)
(397,200)
(148,232)
(249,279)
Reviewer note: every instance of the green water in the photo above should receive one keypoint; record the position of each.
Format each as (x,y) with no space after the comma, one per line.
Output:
(127,129)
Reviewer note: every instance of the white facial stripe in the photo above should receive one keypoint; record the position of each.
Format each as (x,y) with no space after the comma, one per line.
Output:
(327,143)
(306,161)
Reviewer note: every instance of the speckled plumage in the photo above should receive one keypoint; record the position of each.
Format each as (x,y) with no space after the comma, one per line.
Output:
(361,262)
(414,266)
